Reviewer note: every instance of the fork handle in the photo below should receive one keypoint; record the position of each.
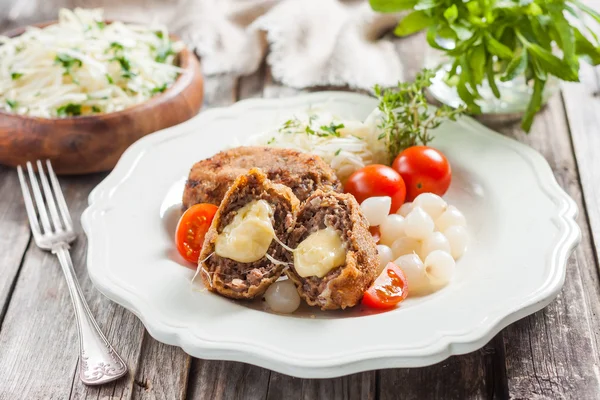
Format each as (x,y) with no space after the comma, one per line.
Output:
(99,363)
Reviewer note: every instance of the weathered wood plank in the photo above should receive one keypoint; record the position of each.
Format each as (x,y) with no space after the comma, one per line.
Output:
(582,105)
(220,380)
(554,353)
(38,341)
(252,86)
(162,373)
(14,235)
(477,375)
(357,386)
(220,90)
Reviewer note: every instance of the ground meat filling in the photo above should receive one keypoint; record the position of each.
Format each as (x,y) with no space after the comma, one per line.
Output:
(313,217)
(240,276)
(301,188)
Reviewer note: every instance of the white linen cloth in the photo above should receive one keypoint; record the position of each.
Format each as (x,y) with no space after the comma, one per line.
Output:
(306,43)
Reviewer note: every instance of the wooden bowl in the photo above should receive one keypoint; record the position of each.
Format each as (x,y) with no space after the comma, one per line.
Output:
(94,143)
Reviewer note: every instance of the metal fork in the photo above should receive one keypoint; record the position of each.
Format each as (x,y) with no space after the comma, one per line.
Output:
(98,362)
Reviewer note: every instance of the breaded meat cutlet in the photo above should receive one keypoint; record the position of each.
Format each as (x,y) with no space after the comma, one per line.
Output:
(240,257)
(335,257)
(209,179)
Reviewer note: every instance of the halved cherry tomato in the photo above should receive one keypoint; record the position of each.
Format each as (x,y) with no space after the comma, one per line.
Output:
(192,227)
(377,180)
(389,289)
(424,169)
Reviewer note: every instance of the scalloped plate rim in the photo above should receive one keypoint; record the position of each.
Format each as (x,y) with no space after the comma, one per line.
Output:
(447,344)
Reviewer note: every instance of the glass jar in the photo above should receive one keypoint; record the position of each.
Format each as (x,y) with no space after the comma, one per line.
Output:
(514,95)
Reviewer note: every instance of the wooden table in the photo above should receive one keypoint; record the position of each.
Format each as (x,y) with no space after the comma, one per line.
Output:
(551,354)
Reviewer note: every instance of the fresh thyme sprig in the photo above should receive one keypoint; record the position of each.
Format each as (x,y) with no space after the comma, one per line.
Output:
(407,118)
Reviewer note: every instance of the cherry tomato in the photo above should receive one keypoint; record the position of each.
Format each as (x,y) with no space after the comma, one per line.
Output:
(377,180)
(389,289)
(423,169)
(192,227)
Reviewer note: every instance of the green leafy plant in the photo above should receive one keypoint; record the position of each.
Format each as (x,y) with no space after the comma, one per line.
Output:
(499,40)
(407,119)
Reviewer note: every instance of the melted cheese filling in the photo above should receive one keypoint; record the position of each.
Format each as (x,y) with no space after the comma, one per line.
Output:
(319,253)
(248,236)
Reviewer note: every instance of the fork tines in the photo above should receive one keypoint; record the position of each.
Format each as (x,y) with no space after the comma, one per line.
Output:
(61,219)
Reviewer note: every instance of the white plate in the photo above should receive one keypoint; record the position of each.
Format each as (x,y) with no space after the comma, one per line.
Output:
(521,227)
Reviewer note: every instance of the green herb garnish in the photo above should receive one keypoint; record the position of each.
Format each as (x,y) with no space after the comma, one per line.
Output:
(337,153)
(271,141)
(109,79)
(159,34)
(67,62)
(15,75)
(289,124)
(100,24)
(116,46)
(331,129)
(96,109)
(70,109)
(163,52)
(159,89)
(12,104)
(125,64)
(407,118)
(501,39)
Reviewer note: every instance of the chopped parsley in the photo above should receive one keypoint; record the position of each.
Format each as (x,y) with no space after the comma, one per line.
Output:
(289,124)
(109,79)
(331,129)
(96,109)
(12,104)
(15,75)
(159,34)
(272,140)
(70,109)
(159,89)
(101,24)
(116,46)
(337,153)
(67,62)
(125,64)
(164,52)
